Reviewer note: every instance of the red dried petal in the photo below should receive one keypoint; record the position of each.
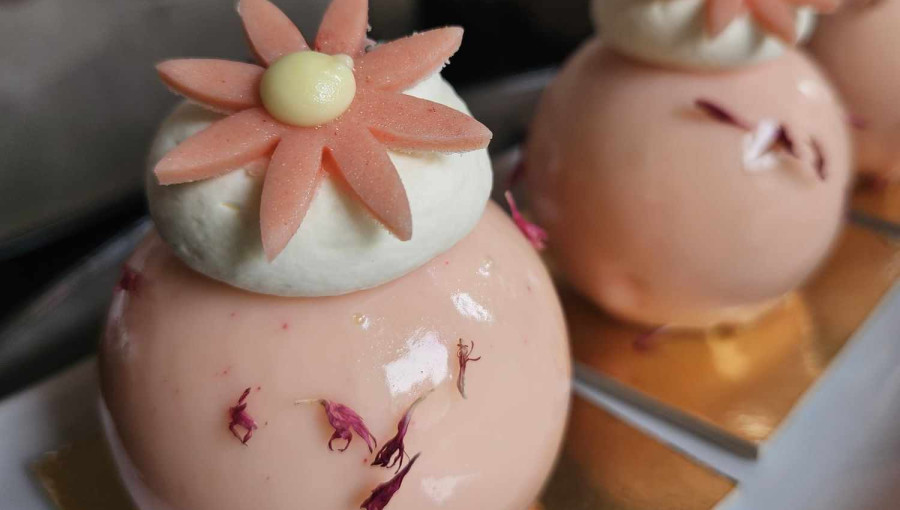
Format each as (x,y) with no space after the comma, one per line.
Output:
(857,122)
(240,418)
(721,114)
(382,494)
(647,341)
(129,281)
(536,235)
(784,139)
(394,450)
(345,422)
(819,163)
(463,353)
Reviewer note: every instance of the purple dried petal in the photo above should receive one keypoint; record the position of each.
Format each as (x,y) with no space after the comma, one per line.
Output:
(785,140)
(463,352)
(345,422)
(819,163)
(394,450)
(647,341)
(535,234)
(857,122)
(240,418)
(130,280)
(382,494)
(719,113)
(517,173)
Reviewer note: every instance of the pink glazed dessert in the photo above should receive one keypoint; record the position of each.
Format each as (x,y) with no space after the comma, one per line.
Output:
(680,185)
(858,49)
(329,313)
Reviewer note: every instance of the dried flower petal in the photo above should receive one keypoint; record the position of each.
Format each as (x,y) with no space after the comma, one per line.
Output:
(819,163)
(517,173)
(345,422)
(857,122)
(648,340)
(719,113)
(382,494)
(394,450)
(784,139)
(240,418)
(535,234)
(463,353)
(130,280)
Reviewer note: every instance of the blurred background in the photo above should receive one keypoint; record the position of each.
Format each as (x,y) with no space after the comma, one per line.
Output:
(80,101)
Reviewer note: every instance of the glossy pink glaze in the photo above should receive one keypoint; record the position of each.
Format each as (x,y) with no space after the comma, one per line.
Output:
(858,47)
(179,352)
(649,208)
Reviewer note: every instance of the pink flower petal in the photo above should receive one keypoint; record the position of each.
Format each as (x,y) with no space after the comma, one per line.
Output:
(720,14)
(222,147)
(536,235)
(409,123)
(220,85)
(292,179)
(776,17)
(400,64)
(367,169)
(271,33)
(344,27)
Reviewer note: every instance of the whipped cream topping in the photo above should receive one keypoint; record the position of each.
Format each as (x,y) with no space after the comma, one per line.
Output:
(673,32)
(213,225)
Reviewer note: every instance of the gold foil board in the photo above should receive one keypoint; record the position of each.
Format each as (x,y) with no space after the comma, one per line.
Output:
(607,464)
(82,476)
(744,382)
(880,201)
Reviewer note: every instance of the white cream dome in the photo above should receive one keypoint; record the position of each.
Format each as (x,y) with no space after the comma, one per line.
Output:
(672,32)
(213,225)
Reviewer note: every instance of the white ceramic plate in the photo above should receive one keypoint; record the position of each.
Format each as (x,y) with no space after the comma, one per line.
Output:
(41,419)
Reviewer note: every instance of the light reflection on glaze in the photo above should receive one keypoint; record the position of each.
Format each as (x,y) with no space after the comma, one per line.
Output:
(471,309)
(425,358)
(728,359)
(362,320)
(441,489)
(814,90)
(486,266)
(116,332)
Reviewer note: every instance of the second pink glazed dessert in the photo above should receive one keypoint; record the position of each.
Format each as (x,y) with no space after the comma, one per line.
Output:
(330,315)
(685,198)
(857,46)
